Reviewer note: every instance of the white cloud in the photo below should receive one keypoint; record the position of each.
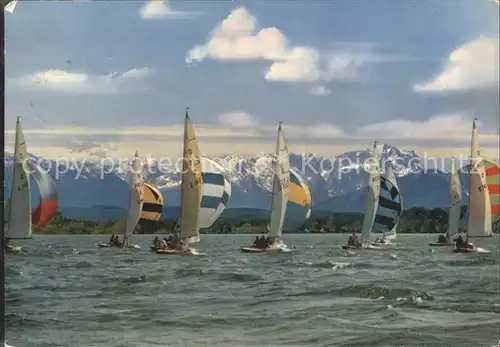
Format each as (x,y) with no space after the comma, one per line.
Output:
(237,120)
(238,38)
(160,9)
(320,90)
(240,133)
(471,66)
(69,82)
(439,127)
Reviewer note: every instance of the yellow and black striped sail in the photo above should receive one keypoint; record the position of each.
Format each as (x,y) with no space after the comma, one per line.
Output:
(153,203)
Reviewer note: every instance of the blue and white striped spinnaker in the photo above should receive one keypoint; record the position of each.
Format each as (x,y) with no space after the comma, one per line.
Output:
(216,192)
(390,205)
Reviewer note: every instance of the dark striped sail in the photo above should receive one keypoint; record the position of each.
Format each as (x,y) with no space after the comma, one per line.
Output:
(152,209)
(390,204)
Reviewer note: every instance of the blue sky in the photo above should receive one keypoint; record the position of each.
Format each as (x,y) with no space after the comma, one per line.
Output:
(116,76)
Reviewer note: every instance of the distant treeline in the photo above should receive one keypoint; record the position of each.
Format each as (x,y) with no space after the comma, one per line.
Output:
(414,220)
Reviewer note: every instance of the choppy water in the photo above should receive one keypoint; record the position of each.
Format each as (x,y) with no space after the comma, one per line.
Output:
(67,292)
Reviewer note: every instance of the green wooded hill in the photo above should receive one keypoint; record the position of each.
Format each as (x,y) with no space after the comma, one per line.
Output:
(414,220)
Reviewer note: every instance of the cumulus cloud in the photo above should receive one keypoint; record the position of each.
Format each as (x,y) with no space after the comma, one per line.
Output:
(70,82)
(160,9)
(320,90)
(472,66)
(238,38)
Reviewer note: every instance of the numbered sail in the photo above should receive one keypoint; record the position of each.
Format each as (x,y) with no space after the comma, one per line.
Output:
(479,207)
(136,195)
(19,217)
(298,209)
(493,181)
(216,192)
(48,199)
(372,195)
(281,183)
(455,199)
(191,186)
(390,205)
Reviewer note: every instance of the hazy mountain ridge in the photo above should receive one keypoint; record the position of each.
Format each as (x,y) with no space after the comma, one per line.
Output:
(336,183)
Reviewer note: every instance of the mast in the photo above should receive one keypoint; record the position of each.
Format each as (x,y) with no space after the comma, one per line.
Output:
(177,233)
(472,148)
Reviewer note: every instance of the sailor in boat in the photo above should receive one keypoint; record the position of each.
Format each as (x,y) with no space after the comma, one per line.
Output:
(112,239)
(442,239)
(156,243)
(256,242)
(354,241)
(461,244)
(351,241)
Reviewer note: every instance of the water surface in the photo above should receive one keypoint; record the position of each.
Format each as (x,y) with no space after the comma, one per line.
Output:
(67,292)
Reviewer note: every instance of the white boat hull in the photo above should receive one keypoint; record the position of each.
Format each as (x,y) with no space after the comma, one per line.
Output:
(13,249)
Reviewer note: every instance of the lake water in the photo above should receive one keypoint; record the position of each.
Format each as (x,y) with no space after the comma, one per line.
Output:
(67,292)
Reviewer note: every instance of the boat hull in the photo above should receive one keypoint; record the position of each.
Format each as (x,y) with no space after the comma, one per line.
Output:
(372,246)
(350,247)
(172,251)
(440,244)
(254,250)
(464,250)
(132,247)
(104,245)
(13,249)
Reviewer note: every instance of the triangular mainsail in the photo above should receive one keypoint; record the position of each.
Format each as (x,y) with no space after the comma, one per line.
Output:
(19,217)
(136,199)
(455,199)
(372,195)
(390,205)
(191,186)
(479,206)
(281,182)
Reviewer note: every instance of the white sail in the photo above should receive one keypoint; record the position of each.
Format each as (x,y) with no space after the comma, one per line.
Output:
(281,182)
(479,207)
(191,186)
(455,199)
(19,217)
(136,196)
(11,6)
(372,195)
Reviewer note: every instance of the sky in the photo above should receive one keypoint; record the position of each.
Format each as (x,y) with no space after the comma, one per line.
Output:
(110,78)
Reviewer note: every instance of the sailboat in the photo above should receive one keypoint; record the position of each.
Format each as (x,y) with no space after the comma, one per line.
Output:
(390,207)
(479,206)
(372,200)
(191,194)
(454,210)
(136,200)
(281,183)
(216,196)
(19,206)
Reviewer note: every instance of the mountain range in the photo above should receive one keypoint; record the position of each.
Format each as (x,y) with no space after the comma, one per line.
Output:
(98,190)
